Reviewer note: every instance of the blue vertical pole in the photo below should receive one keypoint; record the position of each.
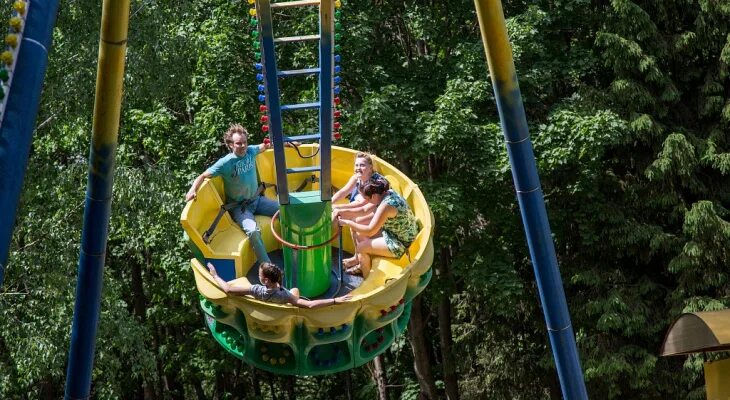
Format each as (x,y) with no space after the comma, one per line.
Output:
(107,108)
(20,113)
(326,66)
(273,103)
(530,197)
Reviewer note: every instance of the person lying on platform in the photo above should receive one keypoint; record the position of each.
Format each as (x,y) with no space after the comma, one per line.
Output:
(270,289)
(388,233)
(357,206)
(240,183)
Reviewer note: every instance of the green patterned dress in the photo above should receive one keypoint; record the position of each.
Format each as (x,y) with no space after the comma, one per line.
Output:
(399,231)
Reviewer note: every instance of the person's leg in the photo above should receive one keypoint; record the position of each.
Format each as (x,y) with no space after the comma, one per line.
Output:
(265,206)
(352,261)
(366,248)
(247,222)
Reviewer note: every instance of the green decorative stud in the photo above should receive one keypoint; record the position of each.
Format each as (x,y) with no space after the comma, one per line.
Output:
(338,14)
(255,34)
(253,22)
(337,47)
(257,55)
(4,76)
(256,45)
(338,26)
(338,36)
(2,93)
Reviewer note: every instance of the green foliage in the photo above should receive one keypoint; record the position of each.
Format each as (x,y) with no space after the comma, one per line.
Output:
(627,102)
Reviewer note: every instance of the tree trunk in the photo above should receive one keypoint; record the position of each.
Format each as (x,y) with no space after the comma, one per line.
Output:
(380,377)
(348,384)
(291,383)
(421,363)
(444,317)
(255,382)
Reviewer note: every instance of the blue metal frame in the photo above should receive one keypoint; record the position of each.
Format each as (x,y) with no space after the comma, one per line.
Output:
(20,114)
(107,110)
(326,84)
(273,103)
(530,197)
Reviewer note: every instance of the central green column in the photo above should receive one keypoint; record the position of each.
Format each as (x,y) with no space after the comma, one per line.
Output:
(306,220)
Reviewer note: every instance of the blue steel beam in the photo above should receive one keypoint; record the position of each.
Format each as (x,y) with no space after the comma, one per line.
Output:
(20,113)
(107,109)
(326,85)
(530,197)
(263,8)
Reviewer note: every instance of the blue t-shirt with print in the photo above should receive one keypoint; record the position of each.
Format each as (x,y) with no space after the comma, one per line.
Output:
(239,174)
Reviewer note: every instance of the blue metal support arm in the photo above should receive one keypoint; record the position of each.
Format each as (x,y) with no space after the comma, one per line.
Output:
(326,84)
(20,115)
(530,198)
(263,8)
(107,109)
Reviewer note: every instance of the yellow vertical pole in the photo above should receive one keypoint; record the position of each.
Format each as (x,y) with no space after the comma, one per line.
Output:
(109,81)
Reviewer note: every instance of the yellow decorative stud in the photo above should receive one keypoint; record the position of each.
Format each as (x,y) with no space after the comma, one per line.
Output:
(19,7)
(251,1)
(252,12)
(7,57)
(11,40)
(338,4)
(16,23)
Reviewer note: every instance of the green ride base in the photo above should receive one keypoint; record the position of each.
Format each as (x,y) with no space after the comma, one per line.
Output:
(306,220)
(308,353)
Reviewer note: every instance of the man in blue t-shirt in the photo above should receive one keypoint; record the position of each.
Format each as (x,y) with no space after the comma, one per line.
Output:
(240,182)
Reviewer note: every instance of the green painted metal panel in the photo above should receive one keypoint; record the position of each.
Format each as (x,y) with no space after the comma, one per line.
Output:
(307,221)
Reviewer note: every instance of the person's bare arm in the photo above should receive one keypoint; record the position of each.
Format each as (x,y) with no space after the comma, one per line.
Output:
(345,190)
(383,212)
(300,302)
(193,192)
(225,286)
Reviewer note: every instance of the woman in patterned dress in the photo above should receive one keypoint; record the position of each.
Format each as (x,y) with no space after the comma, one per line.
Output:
(388,232)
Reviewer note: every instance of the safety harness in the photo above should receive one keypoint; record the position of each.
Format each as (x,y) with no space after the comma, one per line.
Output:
(227,207)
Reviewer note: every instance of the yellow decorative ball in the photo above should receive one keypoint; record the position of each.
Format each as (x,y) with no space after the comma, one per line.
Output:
(273,361)
(251,1)
(252,12)
(11,40)
(265,357)
(338,4)
(282,360)
(16,23)
(7,57)
(19,6)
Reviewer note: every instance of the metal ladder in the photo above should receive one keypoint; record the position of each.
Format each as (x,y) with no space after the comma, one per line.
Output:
(269,75)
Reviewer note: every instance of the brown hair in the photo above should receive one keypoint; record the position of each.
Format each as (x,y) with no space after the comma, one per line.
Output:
(271,272)
(233,129)
(373,186)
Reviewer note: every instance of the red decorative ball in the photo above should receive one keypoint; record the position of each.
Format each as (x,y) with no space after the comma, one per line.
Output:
(401,301)
(337,136)
(383,312)
(338,114)
(337,100)
(337,125)
(267,141)
(263,108)
(264,119)
(265,128)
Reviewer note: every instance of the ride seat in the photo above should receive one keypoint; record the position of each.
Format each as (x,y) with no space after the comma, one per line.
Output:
(228,240)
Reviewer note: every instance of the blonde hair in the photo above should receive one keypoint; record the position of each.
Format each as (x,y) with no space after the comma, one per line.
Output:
(367,157)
